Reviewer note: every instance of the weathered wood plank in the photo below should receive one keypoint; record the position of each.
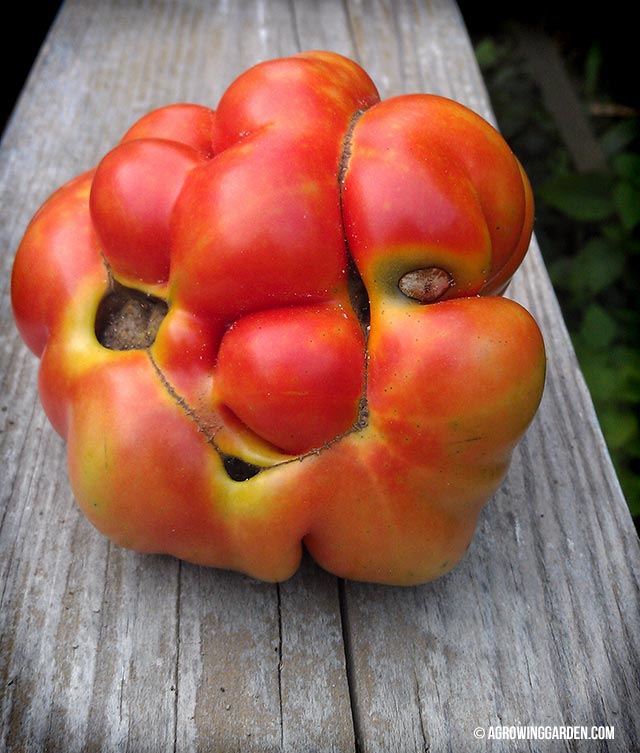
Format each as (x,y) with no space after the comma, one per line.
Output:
(257,672)
(103,649)
(539,625)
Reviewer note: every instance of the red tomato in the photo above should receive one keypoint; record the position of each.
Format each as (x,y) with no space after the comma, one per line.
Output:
(279,322)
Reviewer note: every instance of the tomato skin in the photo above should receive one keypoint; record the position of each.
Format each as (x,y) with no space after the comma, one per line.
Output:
(133,194)
(272,222)
(279,322)
(58,250)
(422,181)
(276,367)
(184,123)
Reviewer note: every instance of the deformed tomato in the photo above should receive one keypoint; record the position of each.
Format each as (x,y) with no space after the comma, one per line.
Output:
(280,322)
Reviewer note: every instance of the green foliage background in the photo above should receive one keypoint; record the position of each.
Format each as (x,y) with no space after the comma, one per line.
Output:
(588,228)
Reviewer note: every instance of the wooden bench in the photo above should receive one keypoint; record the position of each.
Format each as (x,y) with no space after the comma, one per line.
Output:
(106,650)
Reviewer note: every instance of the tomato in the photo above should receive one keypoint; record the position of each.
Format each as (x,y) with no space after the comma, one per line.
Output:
(280,323)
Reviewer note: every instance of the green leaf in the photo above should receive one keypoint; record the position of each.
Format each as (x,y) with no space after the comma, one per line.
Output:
(613,375)
(627,166)
(585,197)
(631,487)
(618,427)
(619,136)
(487,52)
(626,355)
(592,69)
(630,378)
(626,199)
(597,266)
(598,328)
(560,272)
(601,377)
(613,231)
(601,373)
(632,448)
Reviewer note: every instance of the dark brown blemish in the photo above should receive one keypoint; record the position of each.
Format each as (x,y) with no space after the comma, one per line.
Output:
(426,285)
(128,319)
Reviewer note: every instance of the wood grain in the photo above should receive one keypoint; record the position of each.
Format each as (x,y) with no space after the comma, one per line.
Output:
(105,650)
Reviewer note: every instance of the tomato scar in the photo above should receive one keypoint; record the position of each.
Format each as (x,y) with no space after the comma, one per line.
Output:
(128,319)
